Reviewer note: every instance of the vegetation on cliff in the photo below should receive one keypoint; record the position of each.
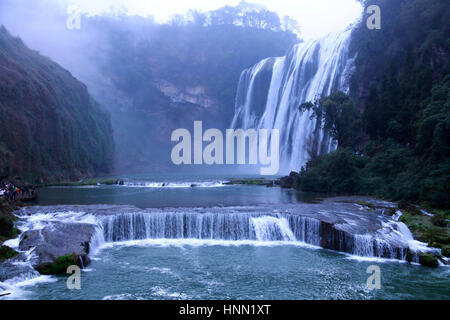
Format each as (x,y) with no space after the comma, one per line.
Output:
(51,129)
(7,253)
(394,134)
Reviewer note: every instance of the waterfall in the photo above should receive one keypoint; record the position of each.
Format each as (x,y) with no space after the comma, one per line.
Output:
(270,93)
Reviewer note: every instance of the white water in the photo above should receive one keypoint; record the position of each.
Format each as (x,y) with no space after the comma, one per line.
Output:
(189,227)
(271,92)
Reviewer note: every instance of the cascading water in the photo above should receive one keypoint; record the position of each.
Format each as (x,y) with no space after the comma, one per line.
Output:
(267,228)
(244,226)
(340,227)
(270,93)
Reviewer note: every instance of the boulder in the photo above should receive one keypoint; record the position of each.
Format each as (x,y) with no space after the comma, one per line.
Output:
(7,253)
(59,240)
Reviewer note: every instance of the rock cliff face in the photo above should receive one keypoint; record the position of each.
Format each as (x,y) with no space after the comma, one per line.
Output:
(50,128)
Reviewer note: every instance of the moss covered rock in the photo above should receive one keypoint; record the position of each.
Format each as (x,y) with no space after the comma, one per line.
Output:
(446,251)
(60,265)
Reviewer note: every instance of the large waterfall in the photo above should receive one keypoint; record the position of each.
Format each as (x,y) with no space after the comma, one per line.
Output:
(270,93)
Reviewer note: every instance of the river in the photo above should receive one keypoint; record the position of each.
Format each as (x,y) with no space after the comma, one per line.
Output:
(198,264)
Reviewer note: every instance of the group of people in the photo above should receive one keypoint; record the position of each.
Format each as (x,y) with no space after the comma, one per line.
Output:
(14,193)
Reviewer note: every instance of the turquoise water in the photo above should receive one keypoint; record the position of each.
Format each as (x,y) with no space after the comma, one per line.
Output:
(207,269)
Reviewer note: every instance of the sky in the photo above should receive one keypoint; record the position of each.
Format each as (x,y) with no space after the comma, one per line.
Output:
(316,17)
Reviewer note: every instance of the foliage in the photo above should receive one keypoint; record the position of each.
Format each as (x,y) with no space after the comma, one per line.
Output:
(7,219)
(172,74)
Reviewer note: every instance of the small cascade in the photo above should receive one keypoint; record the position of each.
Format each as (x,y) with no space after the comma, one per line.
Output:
(81,262)
(271,228)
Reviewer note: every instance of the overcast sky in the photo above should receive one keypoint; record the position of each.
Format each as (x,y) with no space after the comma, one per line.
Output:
(316,17)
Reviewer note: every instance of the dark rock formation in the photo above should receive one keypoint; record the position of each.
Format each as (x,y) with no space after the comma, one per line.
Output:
(332,237)
(10,269)
(7,253)
(60,239)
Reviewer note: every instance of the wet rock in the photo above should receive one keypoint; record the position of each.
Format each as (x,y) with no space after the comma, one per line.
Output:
(406,207)
(57,240)
(409,255)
